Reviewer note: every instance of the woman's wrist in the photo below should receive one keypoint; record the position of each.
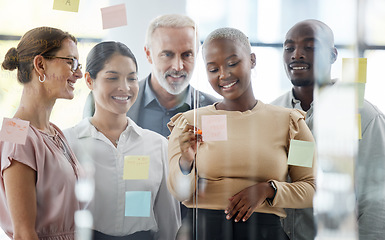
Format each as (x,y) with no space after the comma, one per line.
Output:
(185,165)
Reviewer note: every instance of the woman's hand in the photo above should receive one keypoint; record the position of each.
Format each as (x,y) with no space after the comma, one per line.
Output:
(247,200)
(189,141)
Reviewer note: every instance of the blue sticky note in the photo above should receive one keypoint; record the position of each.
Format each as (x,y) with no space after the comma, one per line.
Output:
(138,204)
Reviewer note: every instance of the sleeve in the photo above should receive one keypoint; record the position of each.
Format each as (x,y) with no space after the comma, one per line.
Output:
(89,106)
(370,179)
(166,208)
(180,185)
(24,153)
(298,193)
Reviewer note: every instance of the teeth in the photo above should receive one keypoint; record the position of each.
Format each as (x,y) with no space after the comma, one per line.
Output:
(299,68)
(120,98)
(229,85)
(71,84)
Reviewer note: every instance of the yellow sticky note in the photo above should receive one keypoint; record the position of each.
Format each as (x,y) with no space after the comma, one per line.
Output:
(359,126)
(360,89)
(66,5)
(301,153)
(14,130)
(114,16)
(354,69)
(136,167)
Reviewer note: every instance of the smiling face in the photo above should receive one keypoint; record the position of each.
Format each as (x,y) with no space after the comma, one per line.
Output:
(228,66)
(308,53)
(60,79)
(116,87)
(172,55)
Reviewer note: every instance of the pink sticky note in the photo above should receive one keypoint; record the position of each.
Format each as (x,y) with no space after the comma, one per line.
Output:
(14,130)
(114,16)
(214,127)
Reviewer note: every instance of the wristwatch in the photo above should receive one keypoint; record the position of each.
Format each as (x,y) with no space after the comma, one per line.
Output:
(270,200)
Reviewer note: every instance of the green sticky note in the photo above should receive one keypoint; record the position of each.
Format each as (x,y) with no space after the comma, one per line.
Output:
(138,204)
(66,5)
(136,167)
(301,153)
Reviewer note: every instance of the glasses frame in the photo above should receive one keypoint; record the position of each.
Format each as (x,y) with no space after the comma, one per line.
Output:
(75,62)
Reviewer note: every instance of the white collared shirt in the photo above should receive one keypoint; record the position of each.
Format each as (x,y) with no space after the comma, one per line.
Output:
(109,204)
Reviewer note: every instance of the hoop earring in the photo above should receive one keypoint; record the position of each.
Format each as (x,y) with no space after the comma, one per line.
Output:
(41,80)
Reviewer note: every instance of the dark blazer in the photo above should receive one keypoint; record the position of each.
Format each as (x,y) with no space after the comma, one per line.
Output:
(134,112)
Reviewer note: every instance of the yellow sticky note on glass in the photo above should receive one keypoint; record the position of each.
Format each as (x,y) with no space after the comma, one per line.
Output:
(359,126)
(214,127)
(354,69)
(136,167)
(301,153)
(66,5)
(14,130)
(114,16)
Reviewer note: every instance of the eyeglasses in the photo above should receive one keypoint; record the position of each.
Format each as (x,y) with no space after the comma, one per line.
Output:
(75,65)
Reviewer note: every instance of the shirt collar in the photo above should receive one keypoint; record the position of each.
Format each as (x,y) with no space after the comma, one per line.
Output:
(86,129)
(296,103)
(149,96)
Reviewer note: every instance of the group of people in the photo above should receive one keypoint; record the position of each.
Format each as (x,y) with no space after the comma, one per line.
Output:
(239,186)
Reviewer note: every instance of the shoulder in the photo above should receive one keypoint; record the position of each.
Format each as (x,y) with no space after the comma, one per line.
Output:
(146,134)
(284,100)
(277,110)
(369,112)
(80,129)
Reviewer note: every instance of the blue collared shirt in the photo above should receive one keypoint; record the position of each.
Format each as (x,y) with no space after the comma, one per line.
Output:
(155,117)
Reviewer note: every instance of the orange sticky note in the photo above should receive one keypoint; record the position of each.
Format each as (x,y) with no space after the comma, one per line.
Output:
(136,167)
(114,16)
(14,130)
(359,126)
(214,127)
(66,5)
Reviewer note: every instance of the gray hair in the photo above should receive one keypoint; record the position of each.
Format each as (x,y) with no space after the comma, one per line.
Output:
(230,34)
(168,20)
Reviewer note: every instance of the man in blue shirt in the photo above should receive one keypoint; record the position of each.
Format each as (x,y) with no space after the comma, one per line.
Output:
(309,52)
(171,47)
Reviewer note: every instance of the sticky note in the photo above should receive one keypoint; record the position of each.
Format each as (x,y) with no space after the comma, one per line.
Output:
(14,130)
(114,16)
(66,5)
(359,126)
(214,127)
(136,167)
(301,153)
(138,204)
(354,69)
(360,90)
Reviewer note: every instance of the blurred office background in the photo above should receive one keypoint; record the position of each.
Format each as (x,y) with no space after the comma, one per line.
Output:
(358,26)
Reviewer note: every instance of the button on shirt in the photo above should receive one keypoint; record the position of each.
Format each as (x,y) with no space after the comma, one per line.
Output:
(155,117)
(108,206)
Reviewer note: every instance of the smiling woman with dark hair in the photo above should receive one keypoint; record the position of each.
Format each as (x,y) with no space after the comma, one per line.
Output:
(124,207)
(244,188)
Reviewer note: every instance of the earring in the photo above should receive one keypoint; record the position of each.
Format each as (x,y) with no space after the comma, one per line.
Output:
(41,80)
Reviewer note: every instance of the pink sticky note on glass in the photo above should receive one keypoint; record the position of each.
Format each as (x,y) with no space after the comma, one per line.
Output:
(14,130)
(114,16)
(214,127)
